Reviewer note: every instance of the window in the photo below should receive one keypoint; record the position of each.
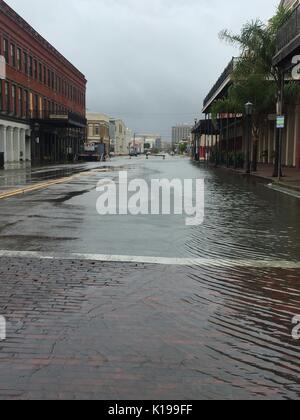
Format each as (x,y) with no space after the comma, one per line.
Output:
(30,66)
(14,99)
(40,73)
(7,97)
(5,50)
(13,55)
(35,69)
(19,60)
(20,102)
(25,63)
(96,130)
(26,103)
(36,106)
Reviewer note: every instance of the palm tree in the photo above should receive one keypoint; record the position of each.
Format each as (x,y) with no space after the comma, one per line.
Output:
(255,78)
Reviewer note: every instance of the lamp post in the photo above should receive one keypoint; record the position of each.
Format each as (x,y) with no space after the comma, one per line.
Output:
(249,112)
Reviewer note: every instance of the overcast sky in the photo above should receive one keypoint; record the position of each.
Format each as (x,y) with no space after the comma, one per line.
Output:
(150,62)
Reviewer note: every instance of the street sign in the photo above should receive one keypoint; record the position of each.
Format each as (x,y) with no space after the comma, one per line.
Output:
(2,67)
(280,121)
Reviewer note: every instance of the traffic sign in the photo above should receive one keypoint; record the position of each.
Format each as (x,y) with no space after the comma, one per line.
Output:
(280,121)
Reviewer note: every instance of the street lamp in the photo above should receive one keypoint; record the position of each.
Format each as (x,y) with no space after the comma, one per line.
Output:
(249,112)
(249,108)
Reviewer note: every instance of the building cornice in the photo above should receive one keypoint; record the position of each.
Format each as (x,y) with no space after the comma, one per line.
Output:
(25,26)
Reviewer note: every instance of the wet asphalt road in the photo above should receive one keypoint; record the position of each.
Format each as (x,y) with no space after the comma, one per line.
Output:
(78,329)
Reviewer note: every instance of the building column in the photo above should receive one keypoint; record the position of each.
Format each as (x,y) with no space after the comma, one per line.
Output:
(22,145)
(28,145)
(16,145)
(3,140)
(9,145)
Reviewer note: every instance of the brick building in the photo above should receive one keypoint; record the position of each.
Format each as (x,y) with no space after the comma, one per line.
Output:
(42,96)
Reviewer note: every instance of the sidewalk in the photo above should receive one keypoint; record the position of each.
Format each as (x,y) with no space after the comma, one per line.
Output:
(19,177)
(290,179)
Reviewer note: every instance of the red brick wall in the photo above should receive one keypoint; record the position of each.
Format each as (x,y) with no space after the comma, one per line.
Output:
(67,95)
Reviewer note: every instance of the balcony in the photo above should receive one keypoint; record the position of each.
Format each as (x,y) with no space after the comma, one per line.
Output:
(288,38)
(206,127)
(220,85)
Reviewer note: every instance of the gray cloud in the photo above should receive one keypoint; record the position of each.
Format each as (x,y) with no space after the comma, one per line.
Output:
(150,62)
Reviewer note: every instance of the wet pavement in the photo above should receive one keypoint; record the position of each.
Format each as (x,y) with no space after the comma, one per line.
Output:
(84,329)
(25,175)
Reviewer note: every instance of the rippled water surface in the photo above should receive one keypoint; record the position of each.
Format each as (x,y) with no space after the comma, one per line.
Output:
(232,323)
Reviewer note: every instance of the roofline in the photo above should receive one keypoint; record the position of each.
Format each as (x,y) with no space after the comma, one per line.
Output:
(23,24)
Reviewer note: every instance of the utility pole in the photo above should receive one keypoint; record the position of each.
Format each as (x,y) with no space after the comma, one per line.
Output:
(279,130)
(280,135)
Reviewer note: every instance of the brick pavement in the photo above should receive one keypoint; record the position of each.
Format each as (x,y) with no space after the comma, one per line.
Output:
(84,330)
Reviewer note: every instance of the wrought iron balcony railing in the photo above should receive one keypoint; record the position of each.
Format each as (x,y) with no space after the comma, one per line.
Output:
(289,30)
(224,76)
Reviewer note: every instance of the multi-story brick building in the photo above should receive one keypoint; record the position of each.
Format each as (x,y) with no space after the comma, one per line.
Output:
(42,96)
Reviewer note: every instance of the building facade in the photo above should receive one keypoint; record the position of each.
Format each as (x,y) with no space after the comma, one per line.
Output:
(150,141)
(180,133)
(118,135)
(98,130)
(42,96)
(232,128)
(287,59)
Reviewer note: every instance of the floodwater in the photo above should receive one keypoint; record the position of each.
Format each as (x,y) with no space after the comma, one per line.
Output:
(229,327)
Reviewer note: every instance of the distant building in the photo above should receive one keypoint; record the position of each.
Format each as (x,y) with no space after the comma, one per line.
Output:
(150,141)
(181,133)
(136,146)
(129,136)
(118,136)
(98,130)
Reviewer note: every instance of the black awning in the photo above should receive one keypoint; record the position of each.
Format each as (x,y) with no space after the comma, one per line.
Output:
(60,119)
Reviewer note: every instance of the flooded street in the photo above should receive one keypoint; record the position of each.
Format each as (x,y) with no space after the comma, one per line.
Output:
(84,328)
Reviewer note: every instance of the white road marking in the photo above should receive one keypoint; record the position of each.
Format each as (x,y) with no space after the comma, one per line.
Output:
(283,190)
(204,262)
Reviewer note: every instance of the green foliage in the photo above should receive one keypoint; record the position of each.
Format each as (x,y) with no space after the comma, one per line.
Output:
(182,148)
(257,42)
(254,77)
(227,105)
